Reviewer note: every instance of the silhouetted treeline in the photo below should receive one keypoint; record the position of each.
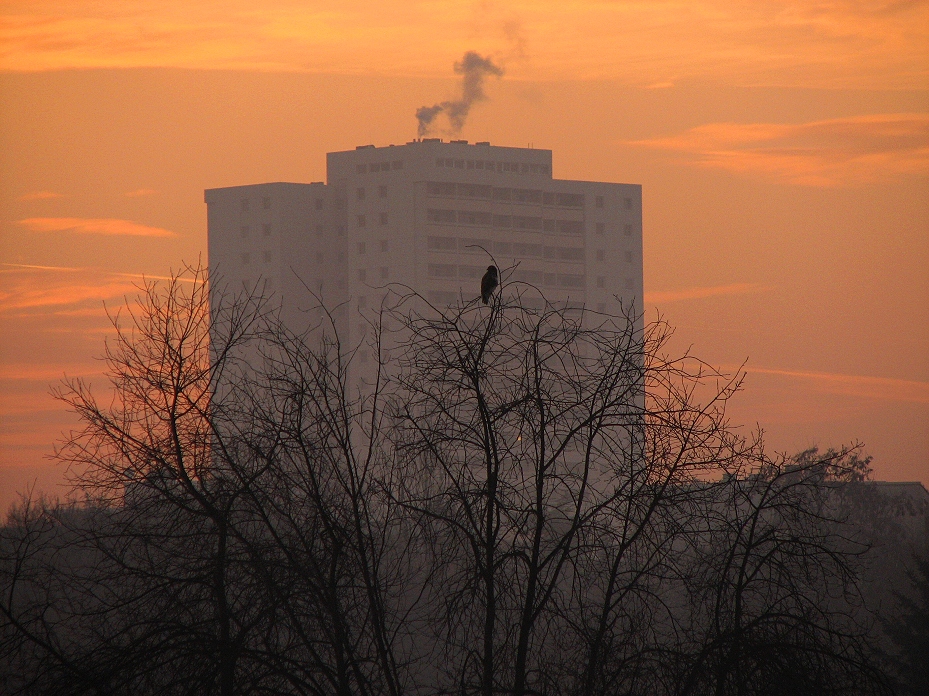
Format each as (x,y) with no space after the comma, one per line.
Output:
(522,502)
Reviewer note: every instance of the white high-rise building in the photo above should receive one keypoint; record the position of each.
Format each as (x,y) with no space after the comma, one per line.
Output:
(429,215)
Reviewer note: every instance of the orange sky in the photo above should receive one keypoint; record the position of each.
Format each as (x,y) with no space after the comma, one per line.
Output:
(783,147)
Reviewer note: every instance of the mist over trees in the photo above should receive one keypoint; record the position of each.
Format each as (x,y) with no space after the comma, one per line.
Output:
(525,501)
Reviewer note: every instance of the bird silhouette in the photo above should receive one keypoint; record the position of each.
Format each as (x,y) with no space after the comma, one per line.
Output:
(488,284)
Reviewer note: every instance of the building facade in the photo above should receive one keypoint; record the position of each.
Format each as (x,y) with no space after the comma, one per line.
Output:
(429,216)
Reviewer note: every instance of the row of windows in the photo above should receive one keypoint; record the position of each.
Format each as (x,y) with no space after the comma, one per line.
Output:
(379,166)
(504,222)
(468,244)
(628,283)
(363,220)
(246,258)
(384,245)
(513,195)
(575,309)
(265,203)
(383,273)
(246,230)
(491,166)
(560,280)
(381,192)
(477,246)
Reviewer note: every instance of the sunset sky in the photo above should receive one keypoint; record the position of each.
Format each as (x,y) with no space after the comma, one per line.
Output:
(782,146)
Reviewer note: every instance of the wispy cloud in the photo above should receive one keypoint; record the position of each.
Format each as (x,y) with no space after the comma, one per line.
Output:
(883,388)
(31,290)
(139,193)
(64,294)
(40,196)
(699,293)
(103,226)
(28,266)
(836,152)
(836,43)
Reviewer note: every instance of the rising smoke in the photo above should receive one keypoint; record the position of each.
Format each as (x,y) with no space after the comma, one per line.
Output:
(473,68)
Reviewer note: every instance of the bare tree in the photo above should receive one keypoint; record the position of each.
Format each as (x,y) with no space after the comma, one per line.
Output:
(524,501)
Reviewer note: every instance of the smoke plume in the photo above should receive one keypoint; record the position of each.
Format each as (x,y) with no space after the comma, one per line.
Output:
(473,68)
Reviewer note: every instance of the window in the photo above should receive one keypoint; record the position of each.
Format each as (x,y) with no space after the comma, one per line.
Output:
(601,281)
(341,256)
(361,221)
(319,230)
(384,245)
(503,248)
(320,257)
(267,257)
(569,280)
(441,215)
(384,272)
(362,275)
(396,164)
(319,204)
(443,297)
(601,306)
(244,204)
(363,356)
(470,245)
(340,230)
(564,253)
(245,230)
(599,200)
(360,168)
(459,164)
(521,222)
(601,228)
(360,194)
(527,249)
(571,226)
(443,270)
(382,191)
(383,218)
(630,284)
(361,247)
(601,255)
(441,243)
(362,302)
(628,255)
(246,258)
(627,203)
(627,230)
(266,230)
(266,202)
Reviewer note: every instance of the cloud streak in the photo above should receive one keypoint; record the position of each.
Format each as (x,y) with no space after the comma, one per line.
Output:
(699,293)
(102,226)
(840,43)
(882,388)
(836,152)
(40,196)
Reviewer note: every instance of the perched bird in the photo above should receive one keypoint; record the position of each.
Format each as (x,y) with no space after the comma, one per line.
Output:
(488,284)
